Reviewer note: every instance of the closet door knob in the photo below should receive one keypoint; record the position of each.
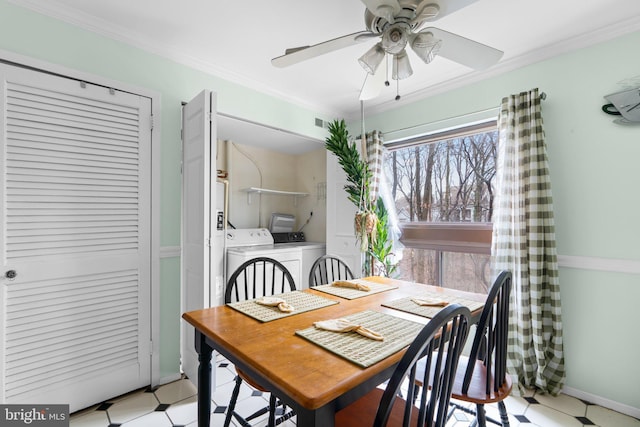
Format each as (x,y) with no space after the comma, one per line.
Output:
(10,274)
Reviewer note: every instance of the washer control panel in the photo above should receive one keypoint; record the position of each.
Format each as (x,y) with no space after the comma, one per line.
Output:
(248,237)
(297,236)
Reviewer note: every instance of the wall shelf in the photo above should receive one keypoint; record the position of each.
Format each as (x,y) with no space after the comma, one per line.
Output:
(256,190)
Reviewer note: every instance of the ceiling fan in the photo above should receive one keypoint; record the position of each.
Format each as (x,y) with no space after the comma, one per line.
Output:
(399,23)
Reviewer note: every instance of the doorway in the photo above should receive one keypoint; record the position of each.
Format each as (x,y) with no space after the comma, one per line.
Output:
(75,288)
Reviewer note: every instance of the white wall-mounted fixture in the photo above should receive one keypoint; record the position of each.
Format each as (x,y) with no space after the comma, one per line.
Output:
(625,104)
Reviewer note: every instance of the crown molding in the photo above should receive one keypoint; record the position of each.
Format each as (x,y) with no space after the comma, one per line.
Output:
(54,9)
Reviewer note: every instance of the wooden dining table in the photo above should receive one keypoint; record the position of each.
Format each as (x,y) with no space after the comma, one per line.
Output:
(314,382)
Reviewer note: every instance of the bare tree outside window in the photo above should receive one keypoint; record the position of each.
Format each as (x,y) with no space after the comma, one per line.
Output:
(443,191)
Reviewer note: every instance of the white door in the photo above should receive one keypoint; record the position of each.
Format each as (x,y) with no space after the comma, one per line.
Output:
(75,214)
(341,238)
(198,190)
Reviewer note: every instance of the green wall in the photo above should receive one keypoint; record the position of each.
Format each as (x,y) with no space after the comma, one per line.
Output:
(35,36)
(594,174)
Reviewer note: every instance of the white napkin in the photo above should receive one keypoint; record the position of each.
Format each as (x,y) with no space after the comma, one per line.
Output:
(282,305)
(353,285)
(429,302)
(344,325)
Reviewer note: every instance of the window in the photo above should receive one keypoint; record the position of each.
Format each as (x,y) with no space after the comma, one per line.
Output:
(442,185)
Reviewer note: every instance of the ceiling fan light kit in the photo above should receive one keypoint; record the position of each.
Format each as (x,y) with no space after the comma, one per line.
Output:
(398,23)
(395,38)
(428,12)
(401,66)
(372,58)
(426,46)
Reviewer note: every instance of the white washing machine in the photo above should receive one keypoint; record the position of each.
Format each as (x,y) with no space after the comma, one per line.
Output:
(244,244)
(247,243)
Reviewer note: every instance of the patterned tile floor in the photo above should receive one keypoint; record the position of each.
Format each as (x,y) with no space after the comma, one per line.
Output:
(174,405)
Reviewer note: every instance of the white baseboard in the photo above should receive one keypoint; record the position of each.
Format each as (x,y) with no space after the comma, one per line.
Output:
(170,378)
(601,401)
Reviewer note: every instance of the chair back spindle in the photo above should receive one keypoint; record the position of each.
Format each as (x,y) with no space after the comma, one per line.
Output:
(328,269)
(439,344)
(490,341)
(258,277)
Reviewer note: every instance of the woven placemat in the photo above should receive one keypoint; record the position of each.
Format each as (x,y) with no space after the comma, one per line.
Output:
(406,305)
(350,293)
(301,302)
(398,333)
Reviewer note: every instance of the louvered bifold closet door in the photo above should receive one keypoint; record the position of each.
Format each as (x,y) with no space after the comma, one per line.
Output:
(76,221)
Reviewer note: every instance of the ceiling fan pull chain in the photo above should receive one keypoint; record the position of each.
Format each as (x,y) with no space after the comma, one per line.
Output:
(386,82)
(397,81)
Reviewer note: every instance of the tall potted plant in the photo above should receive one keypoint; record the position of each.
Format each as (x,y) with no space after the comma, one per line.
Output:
(370,221)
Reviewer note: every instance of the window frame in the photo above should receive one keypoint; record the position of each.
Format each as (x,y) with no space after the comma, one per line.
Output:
(441,237)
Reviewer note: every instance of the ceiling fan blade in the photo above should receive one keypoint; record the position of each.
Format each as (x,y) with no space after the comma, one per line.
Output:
(465,51)
(432,10)
(299,54)
(386,9)
(372,85)
(447,7)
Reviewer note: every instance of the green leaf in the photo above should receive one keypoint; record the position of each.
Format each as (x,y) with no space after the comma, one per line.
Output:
(357,171)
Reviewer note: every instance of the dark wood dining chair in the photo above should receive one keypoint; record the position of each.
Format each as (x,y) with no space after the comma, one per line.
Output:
(482,377)
(327,269)
(256,278)
(385,407)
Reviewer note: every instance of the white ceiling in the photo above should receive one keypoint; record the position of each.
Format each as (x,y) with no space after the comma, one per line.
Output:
(236,40)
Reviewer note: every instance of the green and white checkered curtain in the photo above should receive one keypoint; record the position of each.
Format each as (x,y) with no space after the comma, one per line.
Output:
(524,243)
(374,157)
(379,188)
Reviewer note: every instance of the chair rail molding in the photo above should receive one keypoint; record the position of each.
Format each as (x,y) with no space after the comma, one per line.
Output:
(170,251)
(600,264)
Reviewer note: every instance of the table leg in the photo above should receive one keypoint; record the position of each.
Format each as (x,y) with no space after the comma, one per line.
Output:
(321,417)
(204,380)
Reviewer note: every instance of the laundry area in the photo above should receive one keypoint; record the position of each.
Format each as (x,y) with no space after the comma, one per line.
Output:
(249,191)
(275,198)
